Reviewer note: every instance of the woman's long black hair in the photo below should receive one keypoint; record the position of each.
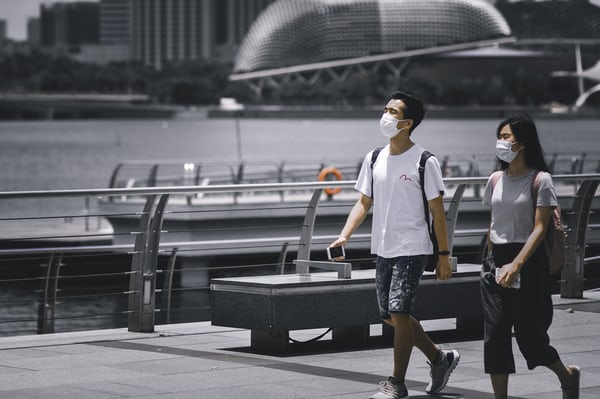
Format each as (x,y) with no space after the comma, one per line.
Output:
(525,132)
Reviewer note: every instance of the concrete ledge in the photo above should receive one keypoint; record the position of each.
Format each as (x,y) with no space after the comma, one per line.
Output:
(271,306)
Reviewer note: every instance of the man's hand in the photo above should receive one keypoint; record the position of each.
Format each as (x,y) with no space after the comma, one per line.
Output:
(443,270)
(341,241)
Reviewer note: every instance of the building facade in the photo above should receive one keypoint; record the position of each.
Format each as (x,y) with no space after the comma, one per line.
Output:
(163,31)
(3,28)
(296,33)
(114,22)
(33,31)
(69,24)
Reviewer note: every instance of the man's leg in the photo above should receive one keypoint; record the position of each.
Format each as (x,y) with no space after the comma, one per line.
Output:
(423,341)
(408,332)
(403,343)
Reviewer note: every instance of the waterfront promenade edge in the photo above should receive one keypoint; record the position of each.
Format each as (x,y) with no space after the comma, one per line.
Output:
(198,360)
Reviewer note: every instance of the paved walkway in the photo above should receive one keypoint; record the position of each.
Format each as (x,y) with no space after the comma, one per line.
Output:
(197,360)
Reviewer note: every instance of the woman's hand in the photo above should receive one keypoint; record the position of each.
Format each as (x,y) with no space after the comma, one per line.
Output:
(508,275)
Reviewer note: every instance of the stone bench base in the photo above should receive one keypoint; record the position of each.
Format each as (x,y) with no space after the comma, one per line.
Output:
(271,306)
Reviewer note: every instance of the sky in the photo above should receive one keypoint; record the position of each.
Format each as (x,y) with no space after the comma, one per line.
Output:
(16,12)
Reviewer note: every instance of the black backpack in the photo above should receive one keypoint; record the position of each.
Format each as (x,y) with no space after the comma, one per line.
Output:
(433,258)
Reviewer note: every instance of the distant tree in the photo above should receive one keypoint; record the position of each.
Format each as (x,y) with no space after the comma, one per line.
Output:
(355,88)
(241,91)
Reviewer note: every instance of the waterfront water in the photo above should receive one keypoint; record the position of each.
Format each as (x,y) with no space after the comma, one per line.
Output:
(45,155)
(41,155)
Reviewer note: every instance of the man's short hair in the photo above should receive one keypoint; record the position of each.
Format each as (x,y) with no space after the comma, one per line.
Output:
(413,107)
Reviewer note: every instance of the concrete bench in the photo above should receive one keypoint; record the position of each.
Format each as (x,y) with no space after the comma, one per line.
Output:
(272,306)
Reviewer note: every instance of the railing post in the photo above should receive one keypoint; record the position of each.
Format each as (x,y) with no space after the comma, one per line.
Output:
(143,277)
(113,178)
(168,286)
(153,176)
(452,214)
(47,305)
(577,223)
(87,212)
(308,227)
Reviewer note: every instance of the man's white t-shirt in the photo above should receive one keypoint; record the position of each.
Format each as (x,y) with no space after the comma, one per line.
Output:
(399,227)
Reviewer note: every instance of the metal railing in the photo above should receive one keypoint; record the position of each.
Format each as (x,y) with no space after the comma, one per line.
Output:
(198,172)
(144,252)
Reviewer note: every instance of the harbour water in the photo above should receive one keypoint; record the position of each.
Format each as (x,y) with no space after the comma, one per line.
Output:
(45,155)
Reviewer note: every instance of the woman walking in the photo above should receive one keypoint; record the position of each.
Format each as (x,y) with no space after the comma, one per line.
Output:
(515,238)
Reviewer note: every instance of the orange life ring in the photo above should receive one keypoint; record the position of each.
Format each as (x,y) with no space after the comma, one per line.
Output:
(330,170)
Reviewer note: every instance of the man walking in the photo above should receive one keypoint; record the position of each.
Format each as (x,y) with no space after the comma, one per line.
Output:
(400,238)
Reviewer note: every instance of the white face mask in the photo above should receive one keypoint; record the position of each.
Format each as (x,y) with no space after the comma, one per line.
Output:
(388,125)
(504,151)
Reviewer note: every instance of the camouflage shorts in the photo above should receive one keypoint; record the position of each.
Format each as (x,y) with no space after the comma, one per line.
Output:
(396,281)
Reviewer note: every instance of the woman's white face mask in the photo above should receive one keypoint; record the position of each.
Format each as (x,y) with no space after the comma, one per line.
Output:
(388,125)
(504,151)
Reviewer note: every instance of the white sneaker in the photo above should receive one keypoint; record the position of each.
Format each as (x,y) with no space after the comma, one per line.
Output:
(391,389)
(441,369)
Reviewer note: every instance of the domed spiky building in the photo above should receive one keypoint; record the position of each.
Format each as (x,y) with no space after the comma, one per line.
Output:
(292,32)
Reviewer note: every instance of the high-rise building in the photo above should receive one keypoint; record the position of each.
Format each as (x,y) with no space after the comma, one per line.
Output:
(114,22)
(234,20)
(69,24)
(177,30)
(33,31)
(3,26)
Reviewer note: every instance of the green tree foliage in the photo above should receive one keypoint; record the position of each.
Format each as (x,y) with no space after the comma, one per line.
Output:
(190,83)
(204,82)
(184,83)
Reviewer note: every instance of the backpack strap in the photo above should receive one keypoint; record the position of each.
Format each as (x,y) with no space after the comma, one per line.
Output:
(374,155)
(422,162)
(535,187)
(433,259)
(495,177)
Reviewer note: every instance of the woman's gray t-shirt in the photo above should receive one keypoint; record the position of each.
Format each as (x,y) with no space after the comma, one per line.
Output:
(512,205)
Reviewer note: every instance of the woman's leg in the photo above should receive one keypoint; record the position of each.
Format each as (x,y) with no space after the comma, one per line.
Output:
(533,312)
(500,385)
(564,373)
(498,316)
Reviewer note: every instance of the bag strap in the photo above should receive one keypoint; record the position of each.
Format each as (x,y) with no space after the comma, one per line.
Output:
(495,177)
(374,155)
(535,186)
(422,162)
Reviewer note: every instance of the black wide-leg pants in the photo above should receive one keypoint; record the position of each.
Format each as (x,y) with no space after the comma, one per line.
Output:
(528,309)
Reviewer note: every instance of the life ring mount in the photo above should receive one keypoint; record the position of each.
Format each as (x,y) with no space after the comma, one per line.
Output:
(324,175)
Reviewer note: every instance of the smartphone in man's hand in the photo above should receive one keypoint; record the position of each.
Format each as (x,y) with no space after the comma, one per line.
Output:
(335,252)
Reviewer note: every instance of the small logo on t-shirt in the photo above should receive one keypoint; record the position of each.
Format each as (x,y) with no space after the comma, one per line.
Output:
(405,178)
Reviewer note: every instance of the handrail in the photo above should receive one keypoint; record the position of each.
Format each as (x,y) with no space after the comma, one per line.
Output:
(224,188)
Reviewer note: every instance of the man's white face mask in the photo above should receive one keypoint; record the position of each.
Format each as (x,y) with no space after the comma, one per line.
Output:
(388,125)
